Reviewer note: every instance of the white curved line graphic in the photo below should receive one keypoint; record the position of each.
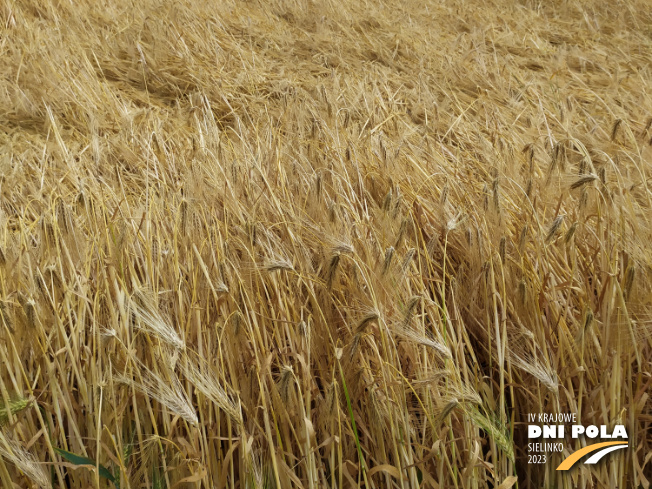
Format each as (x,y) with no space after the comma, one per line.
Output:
(601,453)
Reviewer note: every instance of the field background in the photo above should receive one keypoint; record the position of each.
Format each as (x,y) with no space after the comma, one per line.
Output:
(302,244)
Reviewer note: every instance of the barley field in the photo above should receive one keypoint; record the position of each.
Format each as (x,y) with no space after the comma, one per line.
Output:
(338,244)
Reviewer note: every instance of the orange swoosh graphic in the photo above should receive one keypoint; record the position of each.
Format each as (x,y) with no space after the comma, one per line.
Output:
(571,459)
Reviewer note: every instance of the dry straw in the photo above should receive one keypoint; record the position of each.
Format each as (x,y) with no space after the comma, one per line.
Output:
(322,244)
